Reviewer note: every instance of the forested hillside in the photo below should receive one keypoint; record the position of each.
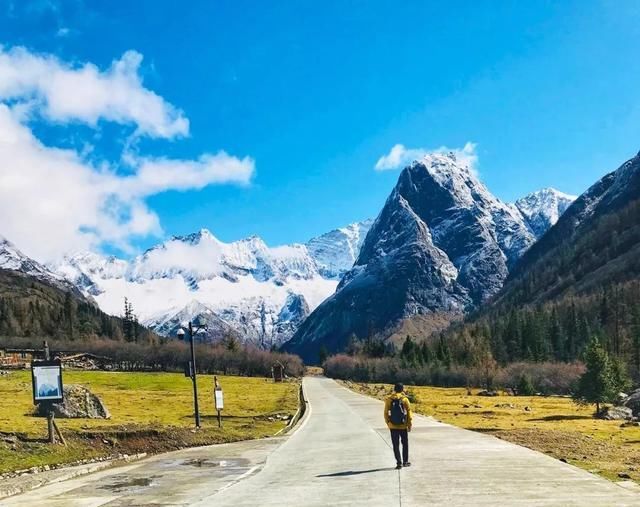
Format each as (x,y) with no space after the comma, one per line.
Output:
(580,280)
(32,308)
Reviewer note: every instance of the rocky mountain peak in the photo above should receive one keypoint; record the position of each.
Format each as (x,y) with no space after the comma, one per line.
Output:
(441,245)
(542,209)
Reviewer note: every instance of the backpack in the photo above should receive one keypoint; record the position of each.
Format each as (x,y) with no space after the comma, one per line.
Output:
(397,412)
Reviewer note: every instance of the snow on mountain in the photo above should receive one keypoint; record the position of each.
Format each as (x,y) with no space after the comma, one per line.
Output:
(543,208)
(14,260)
(259,293)
(441,245)
(169,324)
(335,252)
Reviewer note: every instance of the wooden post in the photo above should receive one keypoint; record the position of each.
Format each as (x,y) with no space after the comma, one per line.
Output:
(55,426)
(50,423)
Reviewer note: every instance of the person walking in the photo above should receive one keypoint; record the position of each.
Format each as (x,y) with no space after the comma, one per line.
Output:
(397,415)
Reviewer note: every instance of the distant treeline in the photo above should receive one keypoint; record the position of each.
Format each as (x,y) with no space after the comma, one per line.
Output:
(558,331)
(229,357)
(521,377)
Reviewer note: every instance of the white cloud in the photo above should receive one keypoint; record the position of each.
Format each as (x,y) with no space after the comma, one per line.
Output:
(53,201)
(400,156)
(155,175)
(86,94)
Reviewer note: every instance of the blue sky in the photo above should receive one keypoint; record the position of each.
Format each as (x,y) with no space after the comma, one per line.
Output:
(316,92)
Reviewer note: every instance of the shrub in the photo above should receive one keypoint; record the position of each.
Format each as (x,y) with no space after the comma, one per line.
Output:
(171,355)
(547,378)
(411,396)
(525,386)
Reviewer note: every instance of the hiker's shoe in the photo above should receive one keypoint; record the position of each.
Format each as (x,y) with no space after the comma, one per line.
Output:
(407,464)
(398,466)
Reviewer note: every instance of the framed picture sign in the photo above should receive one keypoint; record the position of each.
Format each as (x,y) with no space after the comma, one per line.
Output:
(46,377)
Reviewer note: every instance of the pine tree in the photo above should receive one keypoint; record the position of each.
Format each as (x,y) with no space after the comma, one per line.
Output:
(556,337)
(323,354)
(69,312)
(408,352)
(597,384)
(525,386)
(620,377)
(635,335)
(425,353)
(443,353)
(353,346)
(126,320)
(231,342)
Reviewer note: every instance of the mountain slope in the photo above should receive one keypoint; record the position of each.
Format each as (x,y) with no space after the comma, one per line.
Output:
(441,245)
(595,241)
(258,293)
(580,280)
(12,259)
(38,303)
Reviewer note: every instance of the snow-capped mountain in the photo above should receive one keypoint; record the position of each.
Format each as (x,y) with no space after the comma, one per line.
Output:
(335,252)
(543,208)
(259,293)
(608,196)
(441,245)
(215,328)
(12,259)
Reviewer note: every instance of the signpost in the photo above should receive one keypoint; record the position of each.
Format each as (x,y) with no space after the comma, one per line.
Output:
(218,399)
(46,378)
(190,369)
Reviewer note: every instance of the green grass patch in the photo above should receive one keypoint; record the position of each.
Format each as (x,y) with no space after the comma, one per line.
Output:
(150,412)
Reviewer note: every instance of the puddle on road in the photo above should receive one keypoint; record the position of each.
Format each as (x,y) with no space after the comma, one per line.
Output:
(132,483)
(197,462)
(221,463)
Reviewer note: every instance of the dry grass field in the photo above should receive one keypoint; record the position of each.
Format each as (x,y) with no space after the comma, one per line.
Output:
(150,412)
(552,425)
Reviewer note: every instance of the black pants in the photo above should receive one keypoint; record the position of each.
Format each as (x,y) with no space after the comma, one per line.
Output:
(396,436)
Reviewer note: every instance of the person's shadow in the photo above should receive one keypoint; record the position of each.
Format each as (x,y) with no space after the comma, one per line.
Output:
(356,472)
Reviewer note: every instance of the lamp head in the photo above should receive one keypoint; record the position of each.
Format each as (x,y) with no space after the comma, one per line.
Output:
(180,334)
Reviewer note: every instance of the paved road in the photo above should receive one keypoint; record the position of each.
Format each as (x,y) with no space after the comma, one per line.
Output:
(340,455)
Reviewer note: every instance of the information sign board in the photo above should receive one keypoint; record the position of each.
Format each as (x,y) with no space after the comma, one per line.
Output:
(46,377)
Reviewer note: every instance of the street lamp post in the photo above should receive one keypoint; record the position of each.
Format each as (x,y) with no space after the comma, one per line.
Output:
(199,326)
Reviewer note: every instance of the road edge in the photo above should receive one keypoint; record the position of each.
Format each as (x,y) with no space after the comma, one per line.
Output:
(35,481)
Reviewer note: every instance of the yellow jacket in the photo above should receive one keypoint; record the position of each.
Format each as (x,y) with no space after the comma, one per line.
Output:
(387,409)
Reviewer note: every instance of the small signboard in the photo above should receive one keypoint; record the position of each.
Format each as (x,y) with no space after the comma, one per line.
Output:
(219,399)
(46,377)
